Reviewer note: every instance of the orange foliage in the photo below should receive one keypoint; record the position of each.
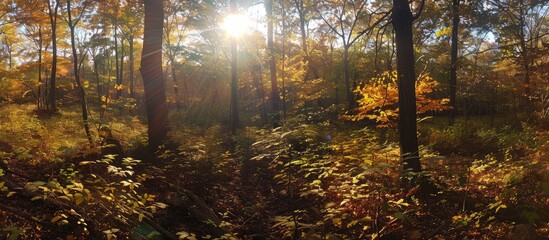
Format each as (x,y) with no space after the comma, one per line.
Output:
(379,99)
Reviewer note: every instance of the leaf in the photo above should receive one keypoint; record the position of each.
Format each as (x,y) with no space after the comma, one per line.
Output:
(36,198)
(140,218)
(39,183)
(78,198)
(64,198)
(286,134)
(399,215)
(55,219)
(88,193)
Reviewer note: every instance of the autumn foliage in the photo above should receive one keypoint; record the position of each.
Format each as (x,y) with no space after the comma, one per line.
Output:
(378,99)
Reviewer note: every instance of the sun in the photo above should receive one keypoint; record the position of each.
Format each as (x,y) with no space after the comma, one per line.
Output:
(235,25)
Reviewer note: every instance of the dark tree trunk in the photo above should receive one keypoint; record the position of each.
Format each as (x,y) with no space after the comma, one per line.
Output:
(116,60)
(81,91)
(347,76)
(97,81)
(258,82)
(121,74)
(234,80)
(40,43)
(272,64)
(402,23)
(53,22)
(301,12)
(132,69)
(175,85)
(234,88)
(454,60)
(151,71)
(525,58)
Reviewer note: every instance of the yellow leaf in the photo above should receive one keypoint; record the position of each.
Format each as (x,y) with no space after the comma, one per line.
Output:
(78,198)
(56,218)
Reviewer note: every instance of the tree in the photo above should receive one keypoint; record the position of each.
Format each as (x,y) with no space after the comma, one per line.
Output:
(175,28)
(379,99)
(151,71)
(32,16)
(52,12)
(131,28)
(520,25)
(343,20)
(402,20)
(234,80)
(454,60)
(81,92)
(272,63)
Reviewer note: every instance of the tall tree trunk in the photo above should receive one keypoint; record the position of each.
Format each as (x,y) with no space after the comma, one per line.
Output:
(132,69)
(175,85)
(258,82)
(81,91)
(234,80)
(234,88)
(524,55)
(402,23)
(97,81)
(272,63)
(116,59)
(454,60)
(53,22)
(301,11)
(122,56)
(40,43)
(347,76)
(151,71)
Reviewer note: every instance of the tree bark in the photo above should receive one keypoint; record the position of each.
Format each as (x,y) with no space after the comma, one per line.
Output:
(453,64)
(346,75)
(234,88)
(402,23)
(97,81)
(53,22)
(151,71)
(525,58)
(301,12)
(40,43)
(234,80)
(132,68)
(258,82)
(121,73)
(272,63)
(81,91)
(116,56)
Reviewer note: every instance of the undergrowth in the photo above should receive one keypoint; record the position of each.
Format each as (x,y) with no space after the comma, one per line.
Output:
(306,180)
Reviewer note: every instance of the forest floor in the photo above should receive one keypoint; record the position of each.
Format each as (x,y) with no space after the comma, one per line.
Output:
(308,180)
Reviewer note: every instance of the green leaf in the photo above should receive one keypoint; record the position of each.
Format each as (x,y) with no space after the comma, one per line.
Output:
(399,215)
